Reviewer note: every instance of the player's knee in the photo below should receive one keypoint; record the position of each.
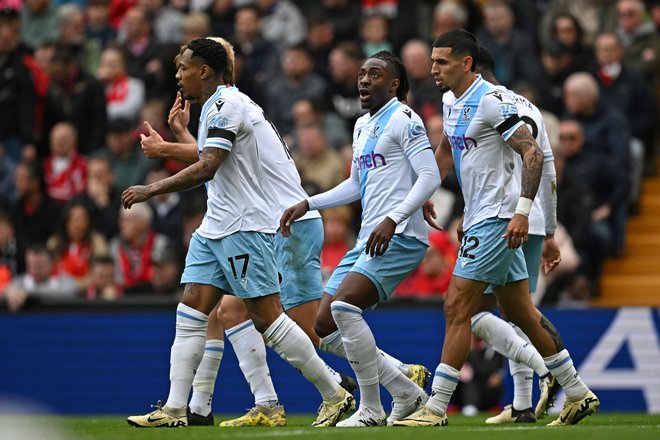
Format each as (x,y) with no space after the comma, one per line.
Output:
(324,326)
(259,323)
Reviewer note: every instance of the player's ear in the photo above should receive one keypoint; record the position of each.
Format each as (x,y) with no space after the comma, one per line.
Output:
(395,85)
(468,63)
(205,72)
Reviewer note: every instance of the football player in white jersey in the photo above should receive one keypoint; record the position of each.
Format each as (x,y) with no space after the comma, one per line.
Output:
(482,132)
(541,248)
(297,260)
(392,174)
(233,250)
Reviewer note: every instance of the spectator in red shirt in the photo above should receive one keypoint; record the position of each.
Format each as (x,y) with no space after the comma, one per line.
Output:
(64,170)
(337,240)
(76,243)
(432,276)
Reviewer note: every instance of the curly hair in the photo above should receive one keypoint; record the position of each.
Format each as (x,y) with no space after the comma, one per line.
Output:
(399,69)
(212,53)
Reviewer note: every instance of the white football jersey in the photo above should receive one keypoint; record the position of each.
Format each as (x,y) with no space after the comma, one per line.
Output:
(279,168)
(477,124)
(531,115)
(382,144)
(238,197)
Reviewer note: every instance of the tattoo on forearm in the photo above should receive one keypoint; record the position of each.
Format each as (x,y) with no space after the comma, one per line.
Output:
(196,174)
(525,145)
(552,331)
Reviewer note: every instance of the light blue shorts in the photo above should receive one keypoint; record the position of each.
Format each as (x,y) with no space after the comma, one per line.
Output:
(242,264)
(532,250)
(484,255)
(299,263)
(386,271)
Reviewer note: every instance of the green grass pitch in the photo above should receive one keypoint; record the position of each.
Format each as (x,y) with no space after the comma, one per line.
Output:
(606,426)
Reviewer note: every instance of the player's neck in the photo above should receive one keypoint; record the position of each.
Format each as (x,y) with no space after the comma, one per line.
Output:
(208,90)
(465,85)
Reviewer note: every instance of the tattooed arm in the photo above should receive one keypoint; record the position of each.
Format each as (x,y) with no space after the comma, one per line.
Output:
(190,177)
(524,144)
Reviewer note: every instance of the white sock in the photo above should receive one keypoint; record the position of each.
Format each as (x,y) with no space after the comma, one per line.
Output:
(251,353)
(503,339)
(333,344)
(329,349)
(444,384)
(295,347)
(561,367)
(187,352)
(397,363)
(398,387)
(361,350)
(536,361)
(395,382)
(522,385)
(204,381)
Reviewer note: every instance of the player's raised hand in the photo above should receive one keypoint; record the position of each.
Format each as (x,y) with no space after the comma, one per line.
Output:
(428,209)
(516,231)
(135,194)
(151,143)
(380,237)
(179,116)
(550,255)
(291,215)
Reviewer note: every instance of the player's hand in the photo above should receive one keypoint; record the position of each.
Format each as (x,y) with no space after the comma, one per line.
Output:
(550,255)
(151,143)
(135,194)
(291,215)
(380,237)
(428,209)
(516,231)
(179,116)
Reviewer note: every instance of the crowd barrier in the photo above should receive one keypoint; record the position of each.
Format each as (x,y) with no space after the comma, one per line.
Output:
(116,362)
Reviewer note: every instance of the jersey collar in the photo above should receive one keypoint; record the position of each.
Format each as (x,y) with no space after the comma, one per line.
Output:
(384,108)
(477,82)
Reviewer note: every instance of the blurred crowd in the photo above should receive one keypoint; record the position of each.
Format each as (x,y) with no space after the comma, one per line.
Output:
(78,78)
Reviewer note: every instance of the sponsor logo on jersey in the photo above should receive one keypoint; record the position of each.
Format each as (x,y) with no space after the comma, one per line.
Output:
(415,131)
(507,110)
(371,160)
(462,142)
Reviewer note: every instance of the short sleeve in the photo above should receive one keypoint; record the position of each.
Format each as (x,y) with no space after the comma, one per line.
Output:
(410,132)
(223,122)
(499,111)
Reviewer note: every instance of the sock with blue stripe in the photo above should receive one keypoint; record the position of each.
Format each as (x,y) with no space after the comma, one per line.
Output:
(250,350)
(444,384)
(391,372)
(361,350)
(508,340)
(187,352)
(561,367)
(295,347)
(204,382)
